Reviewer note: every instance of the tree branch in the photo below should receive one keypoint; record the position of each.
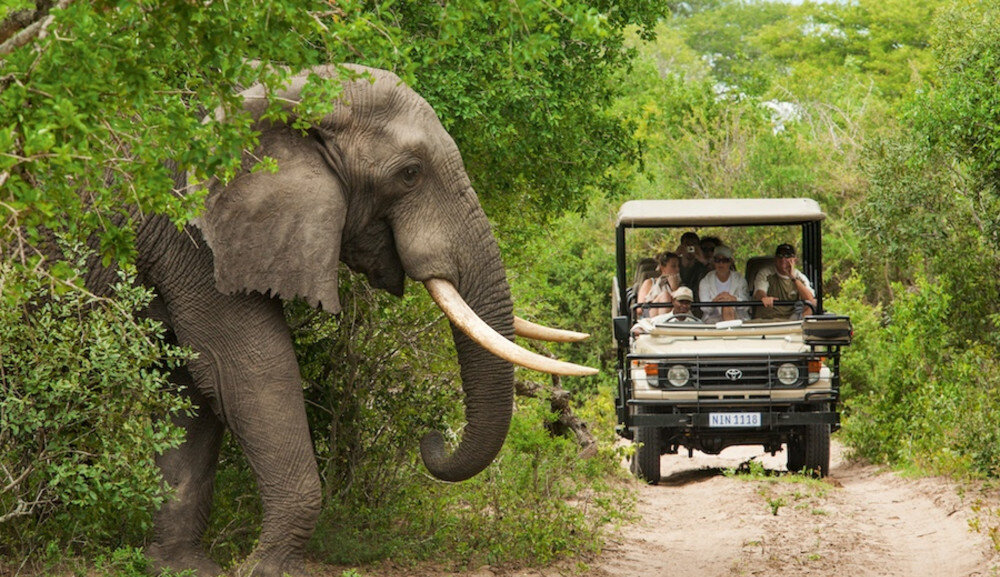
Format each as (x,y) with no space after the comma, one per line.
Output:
(39,19)
(21,19)
(559,402)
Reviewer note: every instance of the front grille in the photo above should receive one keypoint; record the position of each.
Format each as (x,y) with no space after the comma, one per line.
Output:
(742,373)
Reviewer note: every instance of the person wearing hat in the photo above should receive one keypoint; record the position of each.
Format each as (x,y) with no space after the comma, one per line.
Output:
(681,311)
(723,284)
(781,282)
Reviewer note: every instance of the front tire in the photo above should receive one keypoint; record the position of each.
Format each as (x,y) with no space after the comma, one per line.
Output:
(796,454)
(810,451)
(646,459)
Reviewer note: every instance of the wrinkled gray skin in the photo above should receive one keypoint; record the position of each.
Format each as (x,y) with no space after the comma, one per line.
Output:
(379,185)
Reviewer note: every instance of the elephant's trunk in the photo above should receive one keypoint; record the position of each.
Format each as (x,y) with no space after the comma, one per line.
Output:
(483,377)
(488,383)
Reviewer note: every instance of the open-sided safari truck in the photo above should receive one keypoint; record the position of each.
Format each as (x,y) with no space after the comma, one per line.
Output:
(751,382)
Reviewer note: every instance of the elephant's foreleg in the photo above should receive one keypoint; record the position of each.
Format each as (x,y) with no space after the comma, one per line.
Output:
(273,431)
(189,470)
(247,366)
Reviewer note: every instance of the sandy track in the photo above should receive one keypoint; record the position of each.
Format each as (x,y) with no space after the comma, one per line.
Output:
(861,522)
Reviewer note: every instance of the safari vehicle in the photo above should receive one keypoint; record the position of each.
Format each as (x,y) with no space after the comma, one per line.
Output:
(706,387)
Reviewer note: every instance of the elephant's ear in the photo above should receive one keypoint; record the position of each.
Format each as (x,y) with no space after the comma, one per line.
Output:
(279,233)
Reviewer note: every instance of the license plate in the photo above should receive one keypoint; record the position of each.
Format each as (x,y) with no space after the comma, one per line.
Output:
(734,419)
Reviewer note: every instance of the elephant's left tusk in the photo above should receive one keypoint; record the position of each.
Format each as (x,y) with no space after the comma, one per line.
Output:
(530,330)
(460,313)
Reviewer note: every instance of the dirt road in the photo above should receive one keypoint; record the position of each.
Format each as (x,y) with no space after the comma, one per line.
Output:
(861,522)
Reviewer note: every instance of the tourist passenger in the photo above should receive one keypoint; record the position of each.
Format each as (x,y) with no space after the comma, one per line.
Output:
(724,285)
(661,289)
(708,245)
(692,261)
(781,282)
(646,268)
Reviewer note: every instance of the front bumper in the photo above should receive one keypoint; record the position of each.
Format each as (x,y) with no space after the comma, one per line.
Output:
(770,419)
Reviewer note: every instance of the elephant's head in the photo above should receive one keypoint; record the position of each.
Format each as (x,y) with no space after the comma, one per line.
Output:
(380,185)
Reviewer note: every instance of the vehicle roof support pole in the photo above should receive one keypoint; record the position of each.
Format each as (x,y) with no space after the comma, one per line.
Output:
(622,265)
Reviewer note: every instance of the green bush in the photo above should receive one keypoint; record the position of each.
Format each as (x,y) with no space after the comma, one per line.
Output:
(83,407)
(539,501)
(860,360)
(891,370)
(563,279)
(915,395)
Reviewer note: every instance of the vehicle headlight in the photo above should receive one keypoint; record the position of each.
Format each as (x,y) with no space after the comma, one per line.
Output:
(678,375)
(788,374)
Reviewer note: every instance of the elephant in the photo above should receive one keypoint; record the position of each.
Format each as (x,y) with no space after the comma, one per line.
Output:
(377,184)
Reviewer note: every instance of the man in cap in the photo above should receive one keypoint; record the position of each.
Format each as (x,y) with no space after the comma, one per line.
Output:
(681,311)
(781,282)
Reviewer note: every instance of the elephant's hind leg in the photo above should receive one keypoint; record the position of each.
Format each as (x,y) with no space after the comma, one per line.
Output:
(190,471)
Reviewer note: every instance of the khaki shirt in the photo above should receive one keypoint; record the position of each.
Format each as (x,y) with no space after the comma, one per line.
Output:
(781,288)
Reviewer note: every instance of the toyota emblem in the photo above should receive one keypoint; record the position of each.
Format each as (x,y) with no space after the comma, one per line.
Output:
(734,374)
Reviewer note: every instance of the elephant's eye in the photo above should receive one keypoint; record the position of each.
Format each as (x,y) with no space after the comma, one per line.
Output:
(410,174)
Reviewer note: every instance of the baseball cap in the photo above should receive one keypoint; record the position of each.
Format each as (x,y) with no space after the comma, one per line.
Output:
(683,294)
(784,250)
(723,251)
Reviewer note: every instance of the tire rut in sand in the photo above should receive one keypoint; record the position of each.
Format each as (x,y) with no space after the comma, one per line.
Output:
(861,521)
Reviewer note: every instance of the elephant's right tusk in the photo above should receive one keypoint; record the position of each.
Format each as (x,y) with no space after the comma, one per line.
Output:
(460,313)
(530,330)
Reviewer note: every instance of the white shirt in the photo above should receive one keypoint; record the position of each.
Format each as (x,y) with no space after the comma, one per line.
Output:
(711,287)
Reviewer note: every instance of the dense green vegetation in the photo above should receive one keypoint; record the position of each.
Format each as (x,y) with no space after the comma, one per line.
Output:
(884,111)
(94,101)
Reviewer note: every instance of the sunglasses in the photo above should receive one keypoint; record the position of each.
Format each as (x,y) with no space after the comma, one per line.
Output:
(722,259)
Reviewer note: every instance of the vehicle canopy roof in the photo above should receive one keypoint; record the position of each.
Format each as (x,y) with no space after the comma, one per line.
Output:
(719,212)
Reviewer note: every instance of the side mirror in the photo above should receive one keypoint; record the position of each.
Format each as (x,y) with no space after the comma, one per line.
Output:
(622,326)
(827,330)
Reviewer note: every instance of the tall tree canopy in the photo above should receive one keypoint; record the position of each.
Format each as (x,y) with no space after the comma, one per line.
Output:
(95,97)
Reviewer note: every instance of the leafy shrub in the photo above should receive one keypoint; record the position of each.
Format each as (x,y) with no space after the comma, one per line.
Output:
(921,214)
(859,361)
(83,409)
(901,362)
(565,281)
(539,501)
(915,395)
